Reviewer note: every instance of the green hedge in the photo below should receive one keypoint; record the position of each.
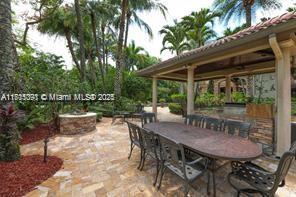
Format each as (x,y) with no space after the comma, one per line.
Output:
(175,108)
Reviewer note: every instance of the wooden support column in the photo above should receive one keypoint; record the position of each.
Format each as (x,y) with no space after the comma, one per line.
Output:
(190,90)
(228,89)
(283,107)
(154,96)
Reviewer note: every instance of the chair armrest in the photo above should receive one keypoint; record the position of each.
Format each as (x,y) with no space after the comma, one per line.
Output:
(199,160)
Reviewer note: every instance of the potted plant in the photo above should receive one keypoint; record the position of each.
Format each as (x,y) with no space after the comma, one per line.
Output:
(260,107)
(162,102)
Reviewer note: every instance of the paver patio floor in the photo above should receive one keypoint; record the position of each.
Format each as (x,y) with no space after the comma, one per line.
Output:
(96,164)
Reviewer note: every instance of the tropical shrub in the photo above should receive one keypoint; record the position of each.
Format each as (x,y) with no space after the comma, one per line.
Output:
(9,134)
(238,97)
(210,100)
(258,100)
(162,100)
(179,98)
(175,108)
(33,118)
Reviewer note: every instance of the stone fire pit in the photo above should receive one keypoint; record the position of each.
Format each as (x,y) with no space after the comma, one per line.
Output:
(76,124)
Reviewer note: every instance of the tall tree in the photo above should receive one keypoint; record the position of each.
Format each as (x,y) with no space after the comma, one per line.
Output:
(292,9)
(174,38)
(9,136)
(138,6)
(80,38)
(7,56)
(229,32)
(134,56)
(61,23)
(199,26)
(243,8)
(119,53)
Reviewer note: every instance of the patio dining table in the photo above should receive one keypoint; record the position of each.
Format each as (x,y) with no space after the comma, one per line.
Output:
(213,144)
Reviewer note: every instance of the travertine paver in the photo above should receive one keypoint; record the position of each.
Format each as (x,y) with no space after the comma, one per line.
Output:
(96,164)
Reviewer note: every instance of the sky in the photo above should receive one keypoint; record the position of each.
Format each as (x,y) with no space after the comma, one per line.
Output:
(176,10)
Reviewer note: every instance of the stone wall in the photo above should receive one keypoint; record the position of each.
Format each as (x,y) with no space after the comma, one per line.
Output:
(262,129)
(73,125)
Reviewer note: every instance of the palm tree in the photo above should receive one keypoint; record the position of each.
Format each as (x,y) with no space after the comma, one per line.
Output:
(247,8)
(132,17)
(229,32)
(80,38)
(174,38)
(7,56)
(199,26)
(119,53)
(292,9)
(134,56)
(62,23)
(9,136)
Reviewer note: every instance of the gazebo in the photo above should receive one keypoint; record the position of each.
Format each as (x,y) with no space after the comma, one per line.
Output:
(268,47)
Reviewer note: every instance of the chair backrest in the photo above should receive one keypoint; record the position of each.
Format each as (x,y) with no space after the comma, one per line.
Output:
(134,132)
(148,117)
(241,129)
(172,152)
(213,123)
(139,108)
(284,166)
(194,120)
(149,141)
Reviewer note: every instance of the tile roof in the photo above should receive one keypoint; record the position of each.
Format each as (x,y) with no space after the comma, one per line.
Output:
(245,32)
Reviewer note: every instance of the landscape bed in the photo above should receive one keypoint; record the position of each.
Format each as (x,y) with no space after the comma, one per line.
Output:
(22,176)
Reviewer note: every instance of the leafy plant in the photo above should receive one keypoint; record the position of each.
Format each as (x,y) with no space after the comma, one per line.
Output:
(238,97)
(179,98)
(175,108)
(162,100)
(9,134)
(210,100)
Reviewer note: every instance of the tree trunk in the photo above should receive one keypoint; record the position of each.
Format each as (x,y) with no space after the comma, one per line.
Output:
(81,39)
(104,48)
(94,31)
(7,56)
(248,9)
(119,54)
(9,138)
(128,17)
(70,46)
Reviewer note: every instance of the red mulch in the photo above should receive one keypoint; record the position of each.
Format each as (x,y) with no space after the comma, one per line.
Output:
(20,177)
(38,133)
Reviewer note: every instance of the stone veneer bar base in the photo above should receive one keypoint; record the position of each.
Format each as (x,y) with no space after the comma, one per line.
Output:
(77,124)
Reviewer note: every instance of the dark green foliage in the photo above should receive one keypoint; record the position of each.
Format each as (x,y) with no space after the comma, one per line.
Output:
(162,100)
(9,135)
(136,88)
(175,108)
(179,98)
(238,97)
(209,100)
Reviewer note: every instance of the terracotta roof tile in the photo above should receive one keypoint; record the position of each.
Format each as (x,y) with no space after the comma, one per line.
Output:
(243,33)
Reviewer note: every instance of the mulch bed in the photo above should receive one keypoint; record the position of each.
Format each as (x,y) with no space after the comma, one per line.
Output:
(20,177)
(38,133)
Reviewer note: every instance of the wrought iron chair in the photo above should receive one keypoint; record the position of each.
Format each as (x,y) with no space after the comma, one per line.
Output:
(241,129)
(138,111)
(150,147)
(148,117)
(194,120)
(172,160)
(258,179)
(135,138)
(213,123)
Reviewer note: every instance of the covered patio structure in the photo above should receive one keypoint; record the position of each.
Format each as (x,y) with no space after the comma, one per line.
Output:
(268,47)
